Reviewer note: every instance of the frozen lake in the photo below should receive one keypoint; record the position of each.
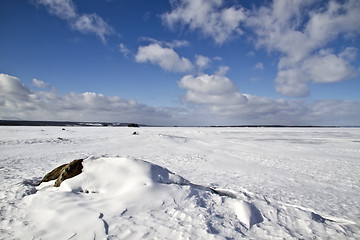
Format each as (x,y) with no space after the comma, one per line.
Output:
(303,181)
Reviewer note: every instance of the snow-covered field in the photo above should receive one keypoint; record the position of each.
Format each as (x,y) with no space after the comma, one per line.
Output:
(270,183)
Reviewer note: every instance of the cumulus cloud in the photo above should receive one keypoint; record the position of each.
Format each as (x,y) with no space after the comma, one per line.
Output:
(349,54)
(211,99)
(209,84)
(321,67)
(300,39)
(292,82)
(40,84)
(19,102)
(300,30)
(211,90)
(202,62)
(216,97)
(211,17)
(326,67)
(222,70)
(84,23)
(284,27)
(164,57)
(12,88)
(259,65)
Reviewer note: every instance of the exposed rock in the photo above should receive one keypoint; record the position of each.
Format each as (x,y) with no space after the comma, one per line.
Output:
(64,172)
(54,174)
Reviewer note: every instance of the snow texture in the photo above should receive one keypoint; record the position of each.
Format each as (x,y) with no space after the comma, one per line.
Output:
(181,183)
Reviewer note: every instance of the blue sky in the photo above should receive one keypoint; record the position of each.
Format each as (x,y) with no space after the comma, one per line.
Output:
(181,62)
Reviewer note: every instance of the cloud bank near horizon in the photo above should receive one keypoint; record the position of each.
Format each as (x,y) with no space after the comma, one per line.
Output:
(219,103)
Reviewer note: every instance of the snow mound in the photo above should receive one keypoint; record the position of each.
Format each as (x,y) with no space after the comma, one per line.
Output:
(127,198)
(119,175)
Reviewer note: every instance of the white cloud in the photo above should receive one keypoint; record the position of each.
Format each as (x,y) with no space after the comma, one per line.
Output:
(299,30)
(173,44)
(19,102)
(165,57)
(211,99)
(84,23)
(292,82)
(222,70)
(177,43)
(124,50)
(40,84)
(64,9)
(335,112)
(12,88)
(321,67)
(209,16)
(202,62)
(259,65)
(92,23)
(337,18)
(349,54)
(326,67)
(214,90)
(209,84)
(217,99)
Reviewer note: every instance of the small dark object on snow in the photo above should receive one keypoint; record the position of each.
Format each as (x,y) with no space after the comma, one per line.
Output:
(63,129)
(135,133)
(64,172)
(318,218)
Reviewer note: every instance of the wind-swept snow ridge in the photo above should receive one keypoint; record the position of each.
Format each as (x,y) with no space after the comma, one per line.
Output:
(121,197)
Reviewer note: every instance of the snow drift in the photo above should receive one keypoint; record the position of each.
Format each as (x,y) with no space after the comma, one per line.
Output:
(95,203)
(230,183)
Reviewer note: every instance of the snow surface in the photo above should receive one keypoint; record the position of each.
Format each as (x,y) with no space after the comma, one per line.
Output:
(181,183)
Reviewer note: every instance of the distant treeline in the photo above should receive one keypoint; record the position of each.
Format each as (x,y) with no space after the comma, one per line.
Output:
(64,124)
(278,126)
(118,124)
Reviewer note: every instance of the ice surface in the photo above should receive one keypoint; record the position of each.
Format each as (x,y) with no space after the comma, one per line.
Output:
(181,183)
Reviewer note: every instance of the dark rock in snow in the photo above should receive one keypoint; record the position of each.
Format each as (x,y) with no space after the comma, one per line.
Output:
(64,172)
(54,174)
